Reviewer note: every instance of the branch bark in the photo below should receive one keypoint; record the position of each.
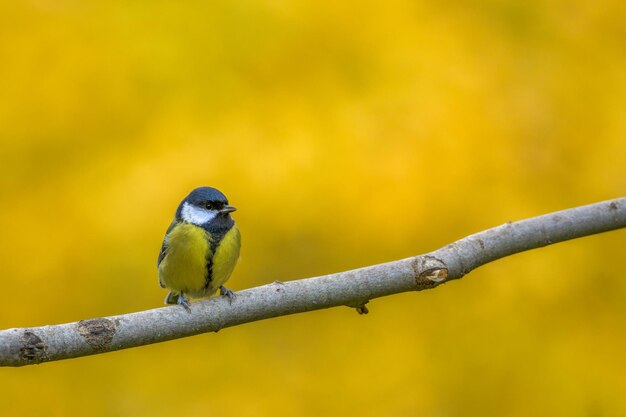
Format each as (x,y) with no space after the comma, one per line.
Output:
(26,346)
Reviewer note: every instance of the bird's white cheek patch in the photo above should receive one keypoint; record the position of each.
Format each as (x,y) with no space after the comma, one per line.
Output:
(196,215)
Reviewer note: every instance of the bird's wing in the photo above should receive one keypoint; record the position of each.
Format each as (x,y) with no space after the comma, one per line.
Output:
(163,250)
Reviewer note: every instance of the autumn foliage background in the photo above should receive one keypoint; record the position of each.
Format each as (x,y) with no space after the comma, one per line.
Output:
(347,134)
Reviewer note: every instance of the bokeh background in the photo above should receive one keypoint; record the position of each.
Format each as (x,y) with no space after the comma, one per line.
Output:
(347,134)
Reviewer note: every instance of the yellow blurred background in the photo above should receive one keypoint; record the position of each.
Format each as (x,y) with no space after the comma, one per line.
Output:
(347,134)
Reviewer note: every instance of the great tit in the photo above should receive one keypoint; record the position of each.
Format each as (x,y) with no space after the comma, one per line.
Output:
(200,248)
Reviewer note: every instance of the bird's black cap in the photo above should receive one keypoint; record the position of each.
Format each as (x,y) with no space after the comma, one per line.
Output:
(203,194)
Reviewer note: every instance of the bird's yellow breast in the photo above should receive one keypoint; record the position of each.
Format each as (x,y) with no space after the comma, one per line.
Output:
(226,257)
(184,268)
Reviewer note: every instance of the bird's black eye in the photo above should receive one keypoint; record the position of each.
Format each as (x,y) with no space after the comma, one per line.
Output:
(208,205)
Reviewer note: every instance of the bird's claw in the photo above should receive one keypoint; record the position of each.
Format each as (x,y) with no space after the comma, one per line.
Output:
(184,302)
(228,293)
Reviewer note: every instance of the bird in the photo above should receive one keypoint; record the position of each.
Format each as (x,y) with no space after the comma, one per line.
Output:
(200,248)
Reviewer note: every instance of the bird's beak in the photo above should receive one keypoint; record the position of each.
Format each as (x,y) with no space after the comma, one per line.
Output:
(228,209)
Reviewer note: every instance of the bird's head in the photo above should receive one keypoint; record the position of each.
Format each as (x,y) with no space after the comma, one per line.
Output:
(203,205)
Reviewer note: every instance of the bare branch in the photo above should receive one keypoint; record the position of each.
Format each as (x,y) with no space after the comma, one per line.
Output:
(26,346)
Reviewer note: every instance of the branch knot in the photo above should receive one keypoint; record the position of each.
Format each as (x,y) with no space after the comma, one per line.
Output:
(429,271)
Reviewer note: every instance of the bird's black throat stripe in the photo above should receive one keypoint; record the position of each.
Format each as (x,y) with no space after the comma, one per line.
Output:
(217,229)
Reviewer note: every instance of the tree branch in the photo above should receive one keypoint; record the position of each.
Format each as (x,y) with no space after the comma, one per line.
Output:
(26,346)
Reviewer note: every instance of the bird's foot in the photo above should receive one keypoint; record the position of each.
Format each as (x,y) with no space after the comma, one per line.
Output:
(183,301)
(228,293)
(171,298)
